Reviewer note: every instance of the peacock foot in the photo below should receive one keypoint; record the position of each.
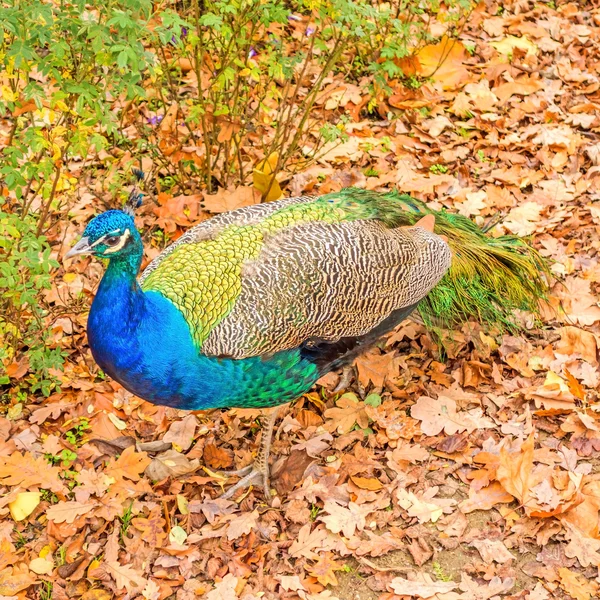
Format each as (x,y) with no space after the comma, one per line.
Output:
(257,473)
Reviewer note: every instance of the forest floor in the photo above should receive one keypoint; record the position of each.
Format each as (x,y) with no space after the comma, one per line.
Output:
(469,473)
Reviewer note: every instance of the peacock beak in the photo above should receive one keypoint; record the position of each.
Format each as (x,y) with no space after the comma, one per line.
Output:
(81,247)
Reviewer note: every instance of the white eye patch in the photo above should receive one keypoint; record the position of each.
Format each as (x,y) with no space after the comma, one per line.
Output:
(120,245)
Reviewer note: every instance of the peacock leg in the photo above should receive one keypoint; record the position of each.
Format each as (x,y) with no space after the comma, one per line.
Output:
(259,471)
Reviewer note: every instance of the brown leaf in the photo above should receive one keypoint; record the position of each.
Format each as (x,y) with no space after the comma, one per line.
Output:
(308,541)
(424,587)
(292,472)
(347,520)
(216,457)
(130,465)
(376,367)
(492,551)
(577,586)
(15,579)
(242,525)
(152,528)
(181,433)
(226,200)
(485,498)
(514,471)
(324,569)
(579,342)
(348,412)
(171,464)
(67,512)
(126,577)
(26,471)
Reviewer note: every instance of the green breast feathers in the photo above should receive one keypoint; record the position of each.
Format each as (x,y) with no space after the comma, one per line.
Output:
(269,277)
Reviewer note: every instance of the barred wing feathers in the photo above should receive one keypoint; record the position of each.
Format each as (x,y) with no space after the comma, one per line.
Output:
(272,277)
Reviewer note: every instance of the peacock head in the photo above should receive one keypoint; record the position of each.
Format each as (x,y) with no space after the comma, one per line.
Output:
(109,235)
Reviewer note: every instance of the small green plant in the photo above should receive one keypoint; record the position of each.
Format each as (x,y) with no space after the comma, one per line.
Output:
(371,172)
(46,590)
(125,522)
(65,458)
(76,434)
(439,572)
(49,496)
(438,169)
(314,511)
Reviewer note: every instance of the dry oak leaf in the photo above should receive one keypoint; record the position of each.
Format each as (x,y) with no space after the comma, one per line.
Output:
(67,512)
(521,87)
(125,576)
(171,464)
(441,415)
(216,457)
(152,527)
(485,498)
(27,471)
(424,587)
(226,589)
(230,199)
(7,553)
(307,541)
(346,520)
(475,591)
(376,368)
(492,551)
(581,546)
(577,586)
(15,579)
(377,545)
(130,465)
(514,470)
(349,411)
(324,569)
(242,525)
(181,433)
(422,508)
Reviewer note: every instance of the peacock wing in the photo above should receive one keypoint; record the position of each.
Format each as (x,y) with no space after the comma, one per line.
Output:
(323,282)
(298,270)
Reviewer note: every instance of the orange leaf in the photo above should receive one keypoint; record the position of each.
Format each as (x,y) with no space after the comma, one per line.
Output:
(445,63)
(514,471)
(26,471)
(367,483)
(152,528)
(324,569)
(217,458)
(130,465)
(485,498)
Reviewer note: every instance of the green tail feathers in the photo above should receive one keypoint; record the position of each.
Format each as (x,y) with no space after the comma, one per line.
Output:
(489,278)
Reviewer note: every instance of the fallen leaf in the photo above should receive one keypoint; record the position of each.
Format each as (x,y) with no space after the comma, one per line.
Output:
(130,465)
(231,199)
(67,512)
(514,470)
(126,577)
(425,587)
(152,527)
(348,412)
(345,520)
(324,569)
(181,433)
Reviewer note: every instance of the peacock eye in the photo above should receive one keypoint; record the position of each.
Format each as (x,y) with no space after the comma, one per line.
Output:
(112,240)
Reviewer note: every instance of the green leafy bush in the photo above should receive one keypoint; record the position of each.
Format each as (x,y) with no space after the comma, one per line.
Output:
(65,68)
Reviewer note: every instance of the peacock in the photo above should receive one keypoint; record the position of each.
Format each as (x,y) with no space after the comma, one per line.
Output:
(251,307)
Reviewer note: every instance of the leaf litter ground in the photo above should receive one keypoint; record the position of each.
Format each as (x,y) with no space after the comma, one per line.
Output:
(463,466)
